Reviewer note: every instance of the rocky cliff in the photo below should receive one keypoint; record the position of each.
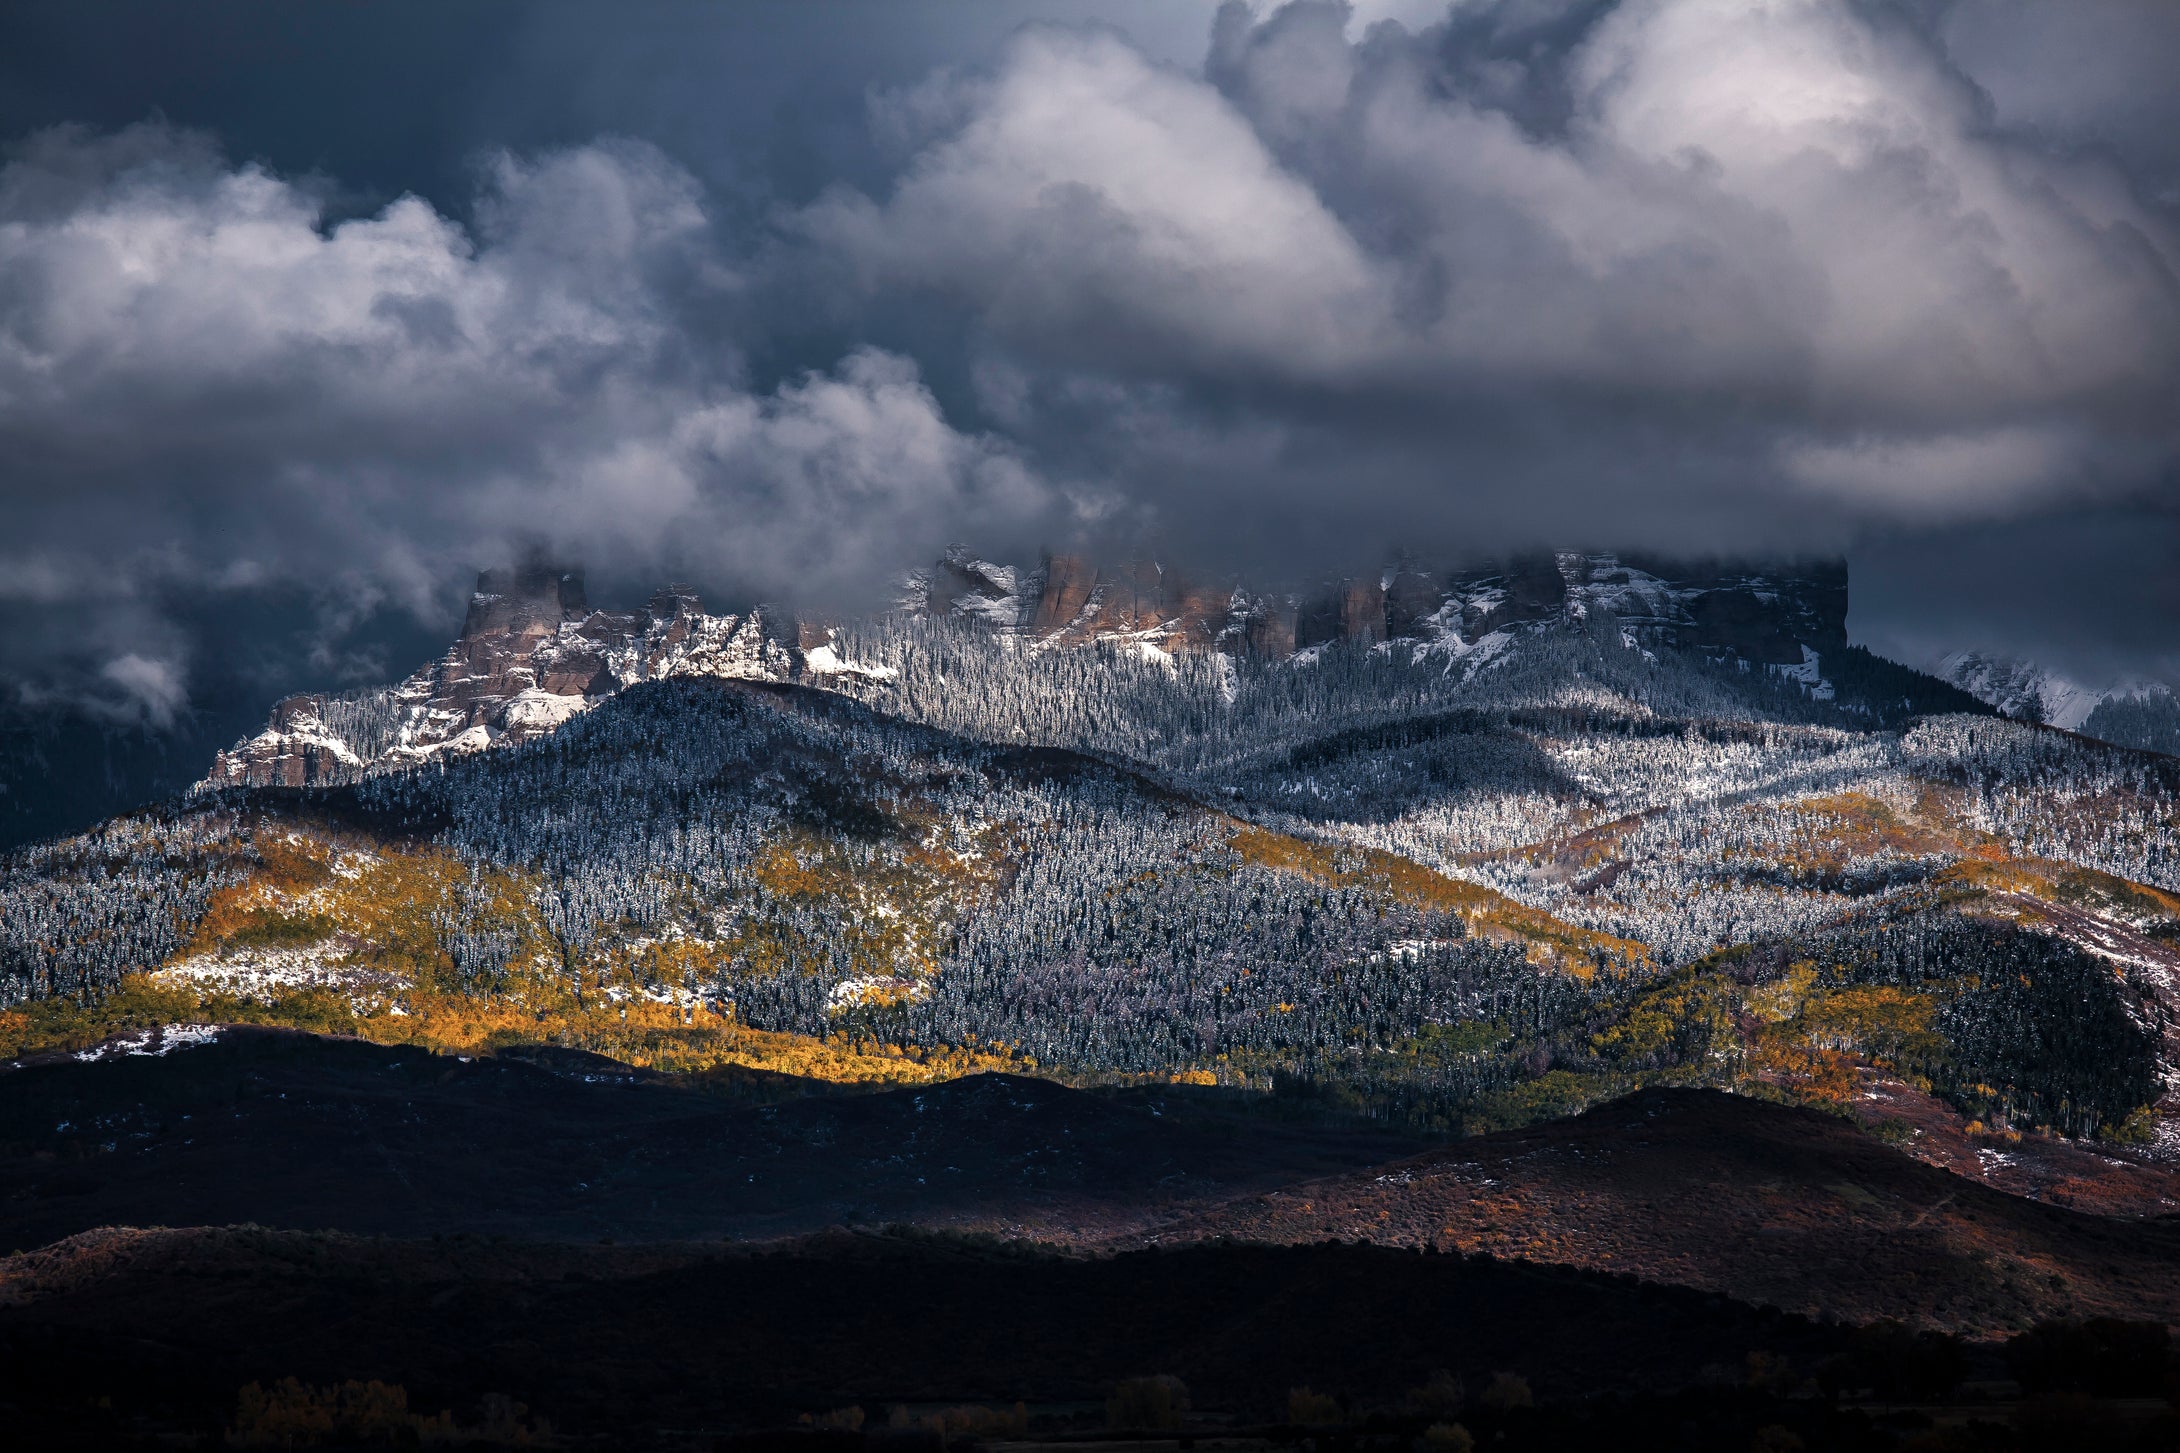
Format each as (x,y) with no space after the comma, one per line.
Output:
(1777,616)
(531,655)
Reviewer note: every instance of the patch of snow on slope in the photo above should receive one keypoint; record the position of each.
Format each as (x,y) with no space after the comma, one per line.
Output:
(1228,687)
(1479,602)
(353,863)
(152,1042)
(825,661)
(672,995)
(534,710)
(1408,950)
(1468,656)
(1809,674)
(248,972)
(874,988)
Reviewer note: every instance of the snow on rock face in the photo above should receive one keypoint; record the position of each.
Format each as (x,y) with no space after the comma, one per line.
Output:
(962,585)
(1439,636)
(1766,616)
(532,655)
(726,647)
(2128,713)
(534,711)
(298,746)
(1773,616)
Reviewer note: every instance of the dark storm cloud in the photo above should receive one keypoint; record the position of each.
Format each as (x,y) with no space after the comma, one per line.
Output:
(1716,275)
(2093,593)
(1282,287)
(202,379)
(2088,73)
(1778,211)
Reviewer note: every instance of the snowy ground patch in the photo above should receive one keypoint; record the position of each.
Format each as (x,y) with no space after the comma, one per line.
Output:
(874,989)
(674,995)
(161,1040)
(258,971)
(825,661)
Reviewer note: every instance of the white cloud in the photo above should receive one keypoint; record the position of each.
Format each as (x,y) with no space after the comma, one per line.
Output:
(216,382)
(1792,215)
(1959,276)
(153,690)
(1093,194)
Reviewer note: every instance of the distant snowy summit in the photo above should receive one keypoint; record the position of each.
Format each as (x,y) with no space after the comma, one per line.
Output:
(2131,714)
(2022,689)
(533,653)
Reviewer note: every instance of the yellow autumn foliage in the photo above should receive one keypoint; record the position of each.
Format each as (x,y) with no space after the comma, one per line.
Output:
(1487,912)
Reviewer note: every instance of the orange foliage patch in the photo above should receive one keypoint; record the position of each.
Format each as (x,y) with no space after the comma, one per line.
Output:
(1487,912)
(1579,852)
(691,1040)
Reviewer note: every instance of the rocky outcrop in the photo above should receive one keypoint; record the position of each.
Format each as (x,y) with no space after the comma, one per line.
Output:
(1781,617)
(1763,614)
(1069,583)
(1268,628)
(1353,610)
(300,747)
(1412,597)
(532,655)
(962,585)
(1066,600)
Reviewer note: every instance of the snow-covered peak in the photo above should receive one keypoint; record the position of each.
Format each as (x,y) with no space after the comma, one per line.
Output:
(2022,689)
(2130,713)
(514,675)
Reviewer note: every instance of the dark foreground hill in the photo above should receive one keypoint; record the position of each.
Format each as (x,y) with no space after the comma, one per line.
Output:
(1770,1203)
(579,1238)
(281,1128)
(1762,1202)
(670,1345)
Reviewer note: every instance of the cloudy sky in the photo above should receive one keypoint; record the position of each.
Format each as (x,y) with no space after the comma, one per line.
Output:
(306,311)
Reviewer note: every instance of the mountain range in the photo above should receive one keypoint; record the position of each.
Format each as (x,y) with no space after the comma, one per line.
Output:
(1582,911)
(532,652)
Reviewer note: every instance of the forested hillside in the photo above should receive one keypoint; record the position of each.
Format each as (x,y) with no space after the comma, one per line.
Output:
(1454,888)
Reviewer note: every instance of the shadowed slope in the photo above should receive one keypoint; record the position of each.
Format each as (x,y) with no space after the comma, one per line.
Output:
(287,1129)
(1763,1202)
(626,1342)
